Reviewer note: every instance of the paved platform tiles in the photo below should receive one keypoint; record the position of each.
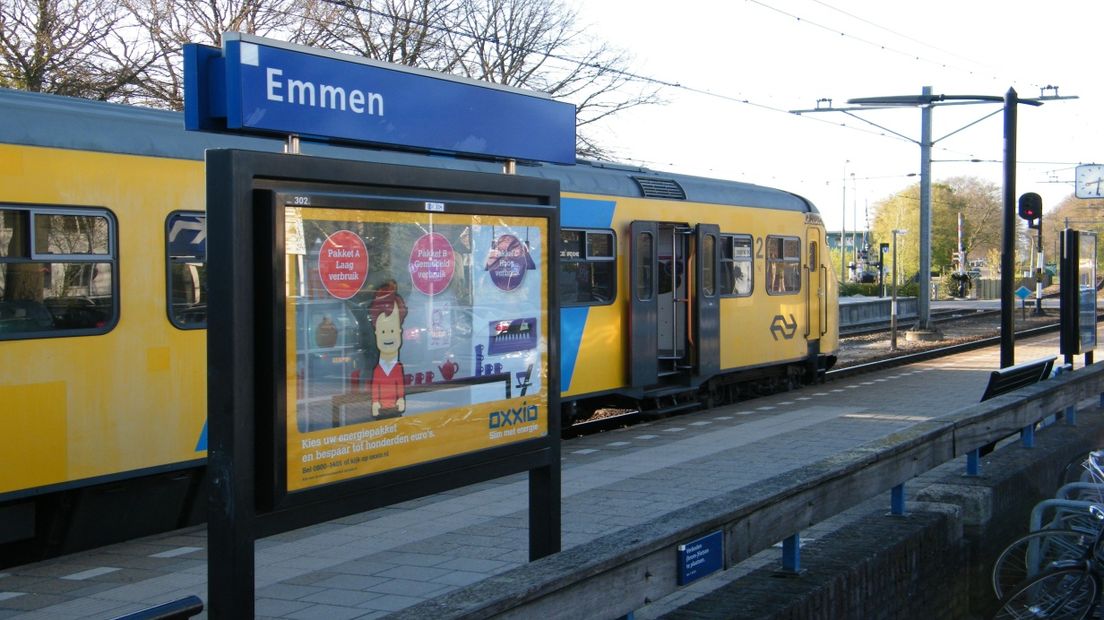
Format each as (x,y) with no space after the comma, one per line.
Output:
(370,564)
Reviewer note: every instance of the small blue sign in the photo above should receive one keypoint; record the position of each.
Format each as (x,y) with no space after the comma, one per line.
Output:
(259,85)
(1023,292)
(700,557)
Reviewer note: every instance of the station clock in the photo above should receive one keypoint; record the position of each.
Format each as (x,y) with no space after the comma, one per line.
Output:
(1089,181)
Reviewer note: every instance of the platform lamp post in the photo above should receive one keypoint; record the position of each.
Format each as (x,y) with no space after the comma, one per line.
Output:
(893,303)
(843,226)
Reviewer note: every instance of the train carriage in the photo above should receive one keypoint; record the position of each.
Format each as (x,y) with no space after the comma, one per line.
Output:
(674,292)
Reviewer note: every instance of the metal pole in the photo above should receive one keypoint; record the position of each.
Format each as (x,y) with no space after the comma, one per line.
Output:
(961,253)
(855,224)
(881,275)
(843,227)
(1008,238)
(893,303)
(1039,271)
(923,298)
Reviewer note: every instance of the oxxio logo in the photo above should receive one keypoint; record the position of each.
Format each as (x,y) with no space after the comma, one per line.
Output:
(513,416)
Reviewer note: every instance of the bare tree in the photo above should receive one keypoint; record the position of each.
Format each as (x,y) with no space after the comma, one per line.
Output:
(169,24)
(532,44)
(79,48)
(416,33)
(537,44)
(131,50)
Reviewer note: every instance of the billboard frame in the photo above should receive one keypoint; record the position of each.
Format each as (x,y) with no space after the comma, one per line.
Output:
(1075,317)
(245,335)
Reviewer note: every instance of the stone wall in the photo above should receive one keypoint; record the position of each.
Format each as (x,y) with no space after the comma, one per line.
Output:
(933,563)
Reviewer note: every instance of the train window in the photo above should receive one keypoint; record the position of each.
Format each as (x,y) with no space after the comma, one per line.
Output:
(186,248)
(588,267)
(783,265)
(644,258)
(709,265)
(736,270)
(57,272)
(70,234)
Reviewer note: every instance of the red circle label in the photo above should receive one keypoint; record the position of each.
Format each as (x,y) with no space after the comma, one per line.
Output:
(343,264)
(432,263)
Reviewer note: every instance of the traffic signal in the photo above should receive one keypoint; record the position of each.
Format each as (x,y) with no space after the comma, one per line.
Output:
(1031,209)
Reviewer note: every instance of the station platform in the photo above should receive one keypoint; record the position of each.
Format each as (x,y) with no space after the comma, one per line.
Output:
(374,563)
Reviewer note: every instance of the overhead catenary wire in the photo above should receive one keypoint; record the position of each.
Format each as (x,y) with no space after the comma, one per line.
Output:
(880,46)
(655,81)
(629,75)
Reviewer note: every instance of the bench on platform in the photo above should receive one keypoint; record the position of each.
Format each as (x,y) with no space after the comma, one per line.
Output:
(1015,377)
(180,609)
(1004,381)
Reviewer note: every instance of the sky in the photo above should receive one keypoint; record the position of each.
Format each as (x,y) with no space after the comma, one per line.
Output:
(783,55)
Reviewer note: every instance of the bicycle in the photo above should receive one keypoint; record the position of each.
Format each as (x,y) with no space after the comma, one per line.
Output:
(1062,570)
(1066,592)
(1071,540)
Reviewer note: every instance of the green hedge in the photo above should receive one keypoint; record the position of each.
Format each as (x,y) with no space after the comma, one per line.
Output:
(850,289)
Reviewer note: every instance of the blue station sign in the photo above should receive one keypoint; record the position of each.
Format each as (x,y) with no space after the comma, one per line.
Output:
(700,557)
(257,85)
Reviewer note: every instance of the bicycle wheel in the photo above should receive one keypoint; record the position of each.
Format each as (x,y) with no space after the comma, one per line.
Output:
(1032,554)
(1060,593)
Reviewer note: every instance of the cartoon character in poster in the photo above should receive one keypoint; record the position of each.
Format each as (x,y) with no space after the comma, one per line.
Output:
(387,313)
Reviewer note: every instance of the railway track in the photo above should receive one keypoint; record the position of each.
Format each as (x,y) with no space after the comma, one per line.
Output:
(943,316)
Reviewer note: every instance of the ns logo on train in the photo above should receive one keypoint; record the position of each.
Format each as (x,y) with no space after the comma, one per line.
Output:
(781,327)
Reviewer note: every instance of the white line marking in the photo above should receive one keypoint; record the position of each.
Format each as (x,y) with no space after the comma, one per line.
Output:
(172,553)
(90,573)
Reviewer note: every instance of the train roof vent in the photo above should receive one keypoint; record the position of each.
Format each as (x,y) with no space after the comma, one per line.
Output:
(660,188)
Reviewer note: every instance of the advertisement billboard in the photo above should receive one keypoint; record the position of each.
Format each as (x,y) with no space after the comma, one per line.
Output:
(412,336)
(1086,291)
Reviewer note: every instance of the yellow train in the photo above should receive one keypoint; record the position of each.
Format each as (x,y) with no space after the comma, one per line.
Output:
(674,292)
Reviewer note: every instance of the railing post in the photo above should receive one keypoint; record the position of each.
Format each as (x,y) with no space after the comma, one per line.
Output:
(1071,415)
(1027,436)
(791,554)
(973,462)
(897,500)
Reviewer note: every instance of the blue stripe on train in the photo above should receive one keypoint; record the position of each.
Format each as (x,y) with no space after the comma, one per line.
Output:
(572,321)
(578,213)
(586,213)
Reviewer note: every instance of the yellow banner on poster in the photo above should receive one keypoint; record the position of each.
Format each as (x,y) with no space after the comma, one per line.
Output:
(336,454)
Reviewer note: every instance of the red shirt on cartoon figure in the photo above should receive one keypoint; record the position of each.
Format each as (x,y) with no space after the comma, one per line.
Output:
(387,312)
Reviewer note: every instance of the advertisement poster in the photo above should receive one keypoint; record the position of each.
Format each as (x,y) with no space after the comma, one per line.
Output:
(412,337)
(1086,286)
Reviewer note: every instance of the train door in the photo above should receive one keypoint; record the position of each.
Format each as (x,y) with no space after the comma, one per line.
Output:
(815,294)
(706,306)
(659,338)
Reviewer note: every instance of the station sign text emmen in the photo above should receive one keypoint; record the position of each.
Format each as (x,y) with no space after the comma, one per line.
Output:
(256,85)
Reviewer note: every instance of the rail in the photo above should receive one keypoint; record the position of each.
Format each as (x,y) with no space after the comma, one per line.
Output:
(618,573)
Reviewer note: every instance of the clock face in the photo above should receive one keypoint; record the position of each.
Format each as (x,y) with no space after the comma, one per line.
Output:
(1089,181)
